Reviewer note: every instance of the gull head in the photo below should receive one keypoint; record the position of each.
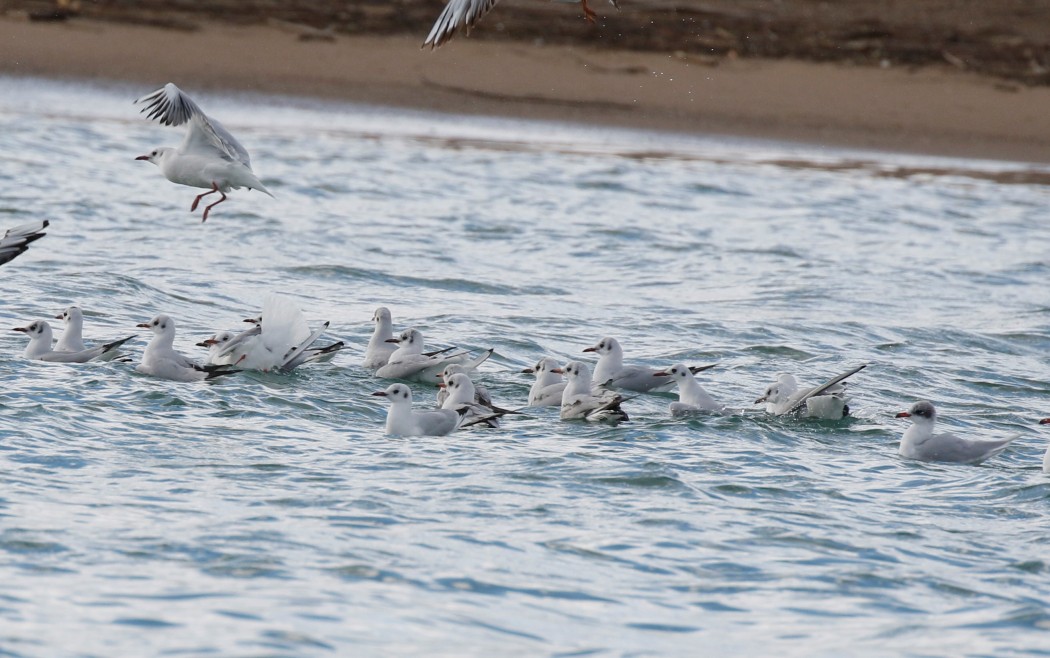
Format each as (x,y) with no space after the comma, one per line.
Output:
(460,388)
(543,366)
(218,340)
(70,315)
(408,337)
(159,325)
(606,346)
(577,370)
(784,388)
(677,372)
(156,155)
(920,413)
(451,369)
(36,329)
(396,393)
(382,316)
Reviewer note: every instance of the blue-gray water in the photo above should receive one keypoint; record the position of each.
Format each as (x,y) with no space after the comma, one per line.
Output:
(270,516)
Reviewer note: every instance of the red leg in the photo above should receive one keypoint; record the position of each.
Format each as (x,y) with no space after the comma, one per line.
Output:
(214,189)
(588,13)
(207,209)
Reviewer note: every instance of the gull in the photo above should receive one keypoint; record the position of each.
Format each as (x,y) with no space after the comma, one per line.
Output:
(919,441)
(464,14)
(692,398)
(40,340)
(610,372)
(161,360)
(481,394)
(402,420)
(1046,457)
(578,402)
(546,391)
(72,339)
(826,401)
(279,339)
(16,241)
(217,344)
(379,346)
(409,361)
(462,394)
(209,156)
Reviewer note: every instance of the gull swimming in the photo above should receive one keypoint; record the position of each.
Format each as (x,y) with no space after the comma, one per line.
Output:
(403,420)
(827,401)
(692,398)
(209,156)
(409,361)
(481,394)
(15,241)
(464,14)
(279,339)
(72,339)
(578,402)
(380,346)
(547,390)
(610,372)
(919,442)
(162,360)
(40,340)
(462,394)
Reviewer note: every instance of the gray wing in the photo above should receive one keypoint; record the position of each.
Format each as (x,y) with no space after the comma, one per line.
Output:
(239,339)
(950,448)
(438,422)
(171,107)
(823,388)
(457,14)
(16,241)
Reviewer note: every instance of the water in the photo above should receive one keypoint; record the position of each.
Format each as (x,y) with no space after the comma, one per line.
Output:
(269,515)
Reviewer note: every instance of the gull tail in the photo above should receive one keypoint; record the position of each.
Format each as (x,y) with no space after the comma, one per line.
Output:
(112,347)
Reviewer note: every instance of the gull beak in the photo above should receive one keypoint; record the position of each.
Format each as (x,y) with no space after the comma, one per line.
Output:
(208,342)
(1045,421)
(558,371)
(21,329)
(661,373)
(58,317)
(528,371)
(381,394)
(142,157)
(903,414)
(251,320)
(392,340)
(143,325)
(760,400)
(591,349)
(441,385)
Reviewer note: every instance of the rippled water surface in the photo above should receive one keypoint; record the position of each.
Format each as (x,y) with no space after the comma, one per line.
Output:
(269,515)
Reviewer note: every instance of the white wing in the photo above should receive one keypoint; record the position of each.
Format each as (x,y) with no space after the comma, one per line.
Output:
(171,107)
(458,14)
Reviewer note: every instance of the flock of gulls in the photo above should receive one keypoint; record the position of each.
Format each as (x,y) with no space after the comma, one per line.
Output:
(280,339)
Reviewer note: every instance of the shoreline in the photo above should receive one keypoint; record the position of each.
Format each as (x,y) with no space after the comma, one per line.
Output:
(936,111)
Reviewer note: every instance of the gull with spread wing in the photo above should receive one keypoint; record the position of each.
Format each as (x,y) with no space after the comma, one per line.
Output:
(209,156)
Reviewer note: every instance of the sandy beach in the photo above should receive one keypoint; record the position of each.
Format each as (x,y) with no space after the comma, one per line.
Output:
(934,109)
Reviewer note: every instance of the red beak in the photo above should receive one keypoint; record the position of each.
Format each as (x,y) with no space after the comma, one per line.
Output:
(143,325)
(142,157)
(903,414)
(392,340)
(1045,421)
(558,370)
(591,349)
(381,394)
(661,374)
(22,329)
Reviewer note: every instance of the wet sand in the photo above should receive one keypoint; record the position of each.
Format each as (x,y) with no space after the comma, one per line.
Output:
(937,109)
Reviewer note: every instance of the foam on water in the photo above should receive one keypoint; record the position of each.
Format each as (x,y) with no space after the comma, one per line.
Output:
(269,515)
